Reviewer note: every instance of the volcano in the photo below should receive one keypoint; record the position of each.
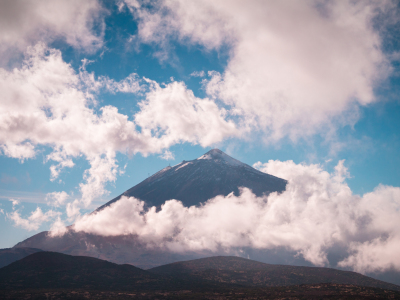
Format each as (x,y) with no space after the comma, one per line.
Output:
(195,181)
(192,182)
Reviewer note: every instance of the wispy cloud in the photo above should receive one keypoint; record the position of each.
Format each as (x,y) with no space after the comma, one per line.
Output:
(8,179)
(30,197)
(198,74)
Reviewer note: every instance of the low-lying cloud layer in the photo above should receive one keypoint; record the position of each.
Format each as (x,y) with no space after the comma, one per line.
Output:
(316,214)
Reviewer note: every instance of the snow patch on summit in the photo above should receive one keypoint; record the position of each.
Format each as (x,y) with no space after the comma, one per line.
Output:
(161,171)
(219,156)
(205,156)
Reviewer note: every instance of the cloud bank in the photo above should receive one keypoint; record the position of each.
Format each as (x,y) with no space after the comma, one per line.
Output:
(315,216)
(295,68)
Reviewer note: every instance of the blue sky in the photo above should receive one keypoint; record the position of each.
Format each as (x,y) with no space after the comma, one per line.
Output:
(307,82)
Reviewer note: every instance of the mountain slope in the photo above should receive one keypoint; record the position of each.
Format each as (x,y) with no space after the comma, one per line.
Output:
(51,270)
(9,255)
(195,181)
(124,249)
(237,270)
(56,270)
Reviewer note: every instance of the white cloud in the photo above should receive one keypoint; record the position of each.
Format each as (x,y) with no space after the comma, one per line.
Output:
(14,202)
(34,221)
(380,251)
(21,151)
(198,74)
(176,115)
(315,215)
(295,68)
(58,228)
(24,23)
(73,209)
(102,169)
(45,103)
(167,155)
(130,84)
(56,198)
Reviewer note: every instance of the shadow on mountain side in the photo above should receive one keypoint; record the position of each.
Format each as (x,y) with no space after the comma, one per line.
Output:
(9,255)
(237,270)
(51,270)
(50,275)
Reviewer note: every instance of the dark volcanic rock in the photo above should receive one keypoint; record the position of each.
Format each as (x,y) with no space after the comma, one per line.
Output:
(238,270)
(195,181)
(9,255)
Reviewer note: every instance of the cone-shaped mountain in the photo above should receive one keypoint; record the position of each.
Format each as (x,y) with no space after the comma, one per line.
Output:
(191,182)
(195,181)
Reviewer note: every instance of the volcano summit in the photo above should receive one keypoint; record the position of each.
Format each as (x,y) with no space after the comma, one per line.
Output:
(195,181)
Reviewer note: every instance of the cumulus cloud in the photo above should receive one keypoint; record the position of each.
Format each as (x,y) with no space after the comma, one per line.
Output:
(316,214)
(176,115)
(43,104)
(35,219)
(295,68)
(47,103)
(21,151)
(24,23)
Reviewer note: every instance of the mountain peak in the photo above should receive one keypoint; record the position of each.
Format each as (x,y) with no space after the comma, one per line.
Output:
(220,156)
(195,181)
